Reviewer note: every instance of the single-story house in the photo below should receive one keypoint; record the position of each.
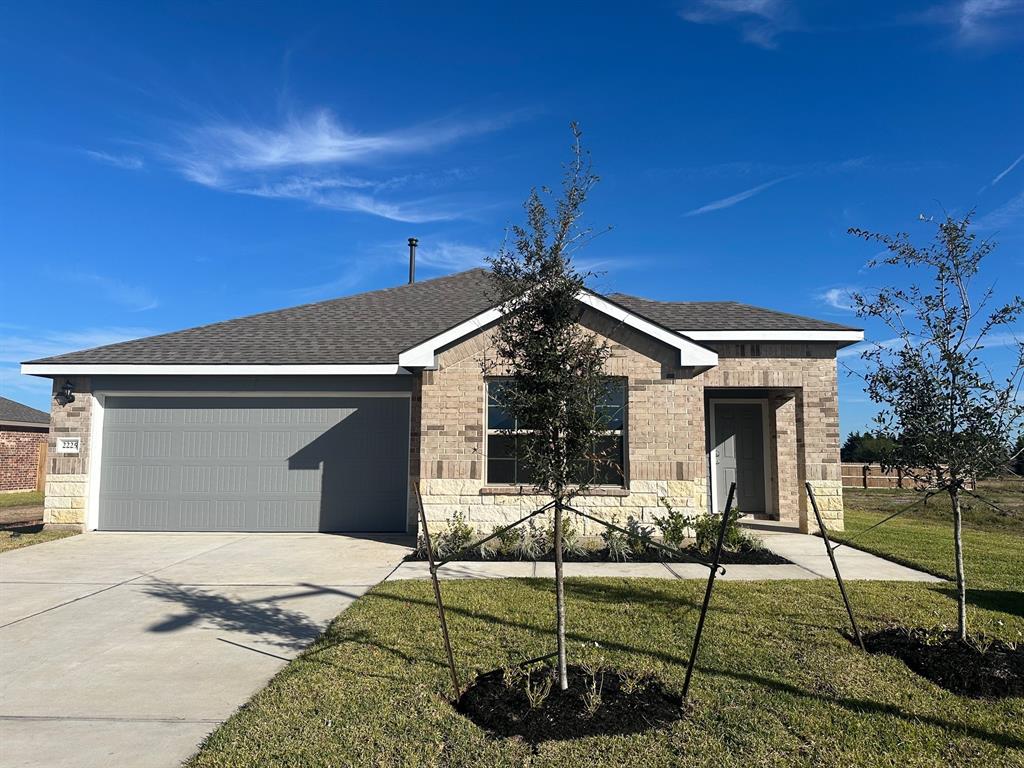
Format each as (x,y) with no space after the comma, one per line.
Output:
(323,417)
(22,435)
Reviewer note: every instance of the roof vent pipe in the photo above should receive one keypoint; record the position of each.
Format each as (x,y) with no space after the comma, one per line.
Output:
(413,242)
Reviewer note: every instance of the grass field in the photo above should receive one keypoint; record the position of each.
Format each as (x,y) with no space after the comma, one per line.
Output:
(777,683)
(21,499)
(923,537)
(24,537)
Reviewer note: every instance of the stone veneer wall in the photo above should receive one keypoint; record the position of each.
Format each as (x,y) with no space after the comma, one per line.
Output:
(665,434)
(67,478)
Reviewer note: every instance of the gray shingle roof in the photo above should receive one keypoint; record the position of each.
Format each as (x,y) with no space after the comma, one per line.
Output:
(373,328)
(720,316)
(11,411)
(365,329)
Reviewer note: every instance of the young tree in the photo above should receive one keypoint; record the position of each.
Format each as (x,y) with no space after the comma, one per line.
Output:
(554,366)
(949,416)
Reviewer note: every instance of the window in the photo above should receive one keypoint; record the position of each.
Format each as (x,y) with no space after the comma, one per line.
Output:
(505,464)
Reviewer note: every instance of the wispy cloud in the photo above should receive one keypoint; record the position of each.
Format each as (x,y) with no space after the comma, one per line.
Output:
(739,197)
(992,341)
(23,343)
(448,256)
(309,158)
(975,23)
(1002,174)
(135,298)
(1003,217)
(980,21)
(127,162)
(838,298)
(760,21)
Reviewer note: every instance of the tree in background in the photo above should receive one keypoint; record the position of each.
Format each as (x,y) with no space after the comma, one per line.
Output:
(946,412)
(555,368)
(866,448)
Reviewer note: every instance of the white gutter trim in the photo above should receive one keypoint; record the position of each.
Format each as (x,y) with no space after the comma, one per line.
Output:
(423,355)
(69,369)
(843,337)
(690,354)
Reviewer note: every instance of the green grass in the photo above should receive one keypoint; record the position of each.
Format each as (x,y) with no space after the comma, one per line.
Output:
(29,535)
(21,499)
(777,683)
(923,538)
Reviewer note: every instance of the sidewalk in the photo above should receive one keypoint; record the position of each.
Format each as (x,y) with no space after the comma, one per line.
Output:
(807,556)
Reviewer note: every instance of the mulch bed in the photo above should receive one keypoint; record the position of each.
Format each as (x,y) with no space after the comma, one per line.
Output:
(982,669)
(626,705)
(729,557)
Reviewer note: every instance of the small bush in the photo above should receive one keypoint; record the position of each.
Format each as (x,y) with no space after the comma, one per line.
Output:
(617,544)
(533,542)
(506,543)
(673,525)
(572,542)
(639,537)
(456,537)
(706,529)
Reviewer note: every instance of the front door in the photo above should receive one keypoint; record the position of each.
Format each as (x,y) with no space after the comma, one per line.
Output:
(738,456)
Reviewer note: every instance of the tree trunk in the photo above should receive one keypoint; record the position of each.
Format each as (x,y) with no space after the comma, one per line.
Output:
(563,677)
(958,549)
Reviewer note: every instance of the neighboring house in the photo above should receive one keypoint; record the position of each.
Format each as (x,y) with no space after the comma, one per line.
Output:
(323,416)
(23,432)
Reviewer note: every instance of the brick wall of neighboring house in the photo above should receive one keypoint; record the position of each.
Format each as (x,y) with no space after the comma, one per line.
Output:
(67,478)
(19,457)
(665,431)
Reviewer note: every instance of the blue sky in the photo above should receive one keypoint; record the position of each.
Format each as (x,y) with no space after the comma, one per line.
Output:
(167,165)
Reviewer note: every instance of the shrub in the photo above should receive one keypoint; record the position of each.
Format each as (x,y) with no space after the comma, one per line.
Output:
(673,525)
(706,529)
(572,542)
(506,542)
(617,544)
(639,537)
(533,542)
(456,537)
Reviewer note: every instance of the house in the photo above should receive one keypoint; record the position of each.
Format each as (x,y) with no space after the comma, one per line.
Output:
(322,417)
(22,435)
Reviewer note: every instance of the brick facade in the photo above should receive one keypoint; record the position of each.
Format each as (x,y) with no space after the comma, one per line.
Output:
(19,457)
(666,432)
(666,439)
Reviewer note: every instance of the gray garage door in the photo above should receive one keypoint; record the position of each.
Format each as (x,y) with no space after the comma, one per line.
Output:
(254,463)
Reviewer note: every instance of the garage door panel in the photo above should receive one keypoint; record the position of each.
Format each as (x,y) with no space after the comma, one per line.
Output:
(270,464)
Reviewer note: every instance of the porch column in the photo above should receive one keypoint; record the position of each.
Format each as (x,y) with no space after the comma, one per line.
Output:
(817,419)
(786,486)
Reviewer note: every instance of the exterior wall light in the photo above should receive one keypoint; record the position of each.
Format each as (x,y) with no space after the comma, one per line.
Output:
(65,394)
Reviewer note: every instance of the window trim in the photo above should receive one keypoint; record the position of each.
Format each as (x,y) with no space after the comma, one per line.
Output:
(488,432)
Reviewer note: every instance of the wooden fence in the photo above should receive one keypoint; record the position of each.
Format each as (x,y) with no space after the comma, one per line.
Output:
(41,468)
(872,476)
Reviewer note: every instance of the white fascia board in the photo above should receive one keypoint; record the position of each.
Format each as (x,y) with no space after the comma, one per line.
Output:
(423,355)
(88,369)
(690,354)
(843,338)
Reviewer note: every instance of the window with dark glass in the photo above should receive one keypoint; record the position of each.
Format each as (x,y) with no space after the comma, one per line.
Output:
(506,465)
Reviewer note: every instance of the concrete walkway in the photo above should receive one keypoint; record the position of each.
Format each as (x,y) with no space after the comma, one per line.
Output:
(807,556)
(127,649)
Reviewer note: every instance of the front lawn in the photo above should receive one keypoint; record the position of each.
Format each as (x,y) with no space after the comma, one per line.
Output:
(923,537)
(16,538)
(21,499)
(777,682)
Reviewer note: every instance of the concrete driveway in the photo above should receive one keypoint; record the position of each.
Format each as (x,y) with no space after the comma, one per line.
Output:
(129,648)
